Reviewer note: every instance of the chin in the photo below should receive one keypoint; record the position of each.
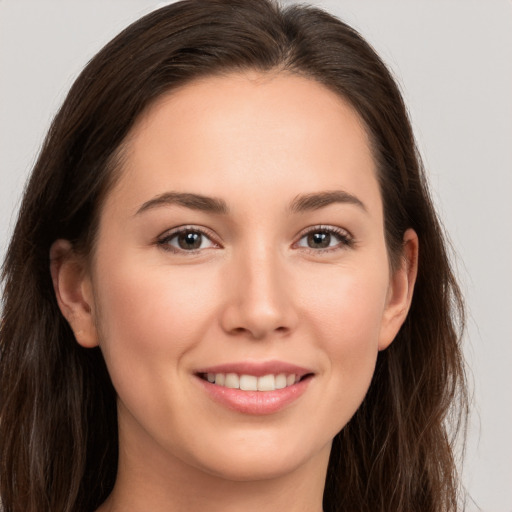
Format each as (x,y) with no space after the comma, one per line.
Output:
(257,469)
(257,461)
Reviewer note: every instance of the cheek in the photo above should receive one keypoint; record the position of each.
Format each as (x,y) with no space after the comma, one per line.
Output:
(151,315)
(346,317)
(348,303)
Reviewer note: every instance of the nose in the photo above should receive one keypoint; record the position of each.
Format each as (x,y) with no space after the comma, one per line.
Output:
(260,295)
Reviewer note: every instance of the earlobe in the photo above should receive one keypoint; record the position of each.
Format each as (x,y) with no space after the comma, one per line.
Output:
(73,291)
(400,290)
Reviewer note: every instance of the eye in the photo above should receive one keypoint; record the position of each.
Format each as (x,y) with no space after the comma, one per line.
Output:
(186,240)
(325,238)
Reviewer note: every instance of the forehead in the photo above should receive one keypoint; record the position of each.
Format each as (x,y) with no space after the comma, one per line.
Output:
(248,129)
(275,103)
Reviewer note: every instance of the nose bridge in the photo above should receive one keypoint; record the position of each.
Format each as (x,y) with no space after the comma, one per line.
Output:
(262,270)
(261,300)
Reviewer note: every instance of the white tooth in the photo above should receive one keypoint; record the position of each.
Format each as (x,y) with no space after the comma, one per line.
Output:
(248,382)
(210,377)
(290,379)
(297,378)
(232,381)
(220,378)
(266,383)
(280,381)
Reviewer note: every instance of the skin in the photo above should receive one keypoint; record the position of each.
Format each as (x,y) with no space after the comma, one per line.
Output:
(255,290)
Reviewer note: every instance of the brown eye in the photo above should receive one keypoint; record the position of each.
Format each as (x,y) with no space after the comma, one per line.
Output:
(319,240)
(189,240)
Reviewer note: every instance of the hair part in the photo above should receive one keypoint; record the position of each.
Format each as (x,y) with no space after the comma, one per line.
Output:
(58,426)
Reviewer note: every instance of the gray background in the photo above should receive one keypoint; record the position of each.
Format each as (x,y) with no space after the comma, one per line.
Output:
(453,60)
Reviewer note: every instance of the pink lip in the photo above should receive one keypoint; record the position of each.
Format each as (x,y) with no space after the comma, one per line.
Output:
(255,402)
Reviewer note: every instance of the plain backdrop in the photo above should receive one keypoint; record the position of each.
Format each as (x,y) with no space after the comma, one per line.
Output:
(453,60)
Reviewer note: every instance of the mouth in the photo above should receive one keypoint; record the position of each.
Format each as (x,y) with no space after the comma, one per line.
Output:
(255,388)
(248,382)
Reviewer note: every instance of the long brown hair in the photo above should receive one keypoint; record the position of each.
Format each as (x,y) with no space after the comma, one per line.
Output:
(58,430)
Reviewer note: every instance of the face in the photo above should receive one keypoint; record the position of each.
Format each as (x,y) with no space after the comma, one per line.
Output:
(243,247)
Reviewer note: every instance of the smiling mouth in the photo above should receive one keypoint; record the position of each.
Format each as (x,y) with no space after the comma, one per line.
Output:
(245,382)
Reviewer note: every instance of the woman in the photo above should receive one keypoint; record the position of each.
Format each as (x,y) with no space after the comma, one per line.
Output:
(227,286)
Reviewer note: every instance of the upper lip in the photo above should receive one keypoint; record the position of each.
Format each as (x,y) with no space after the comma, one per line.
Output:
(256,368)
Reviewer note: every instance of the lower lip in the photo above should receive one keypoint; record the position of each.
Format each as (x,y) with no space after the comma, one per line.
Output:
(255,402)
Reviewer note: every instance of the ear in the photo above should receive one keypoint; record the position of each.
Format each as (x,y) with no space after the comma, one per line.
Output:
(73,290)
(401,287)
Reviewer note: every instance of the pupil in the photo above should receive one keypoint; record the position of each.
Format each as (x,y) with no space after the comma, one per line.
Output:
(189,241)
(319,240)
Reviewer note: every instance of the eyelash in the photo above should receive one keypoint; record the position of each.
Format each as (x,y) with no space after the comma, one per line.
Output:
(344,237)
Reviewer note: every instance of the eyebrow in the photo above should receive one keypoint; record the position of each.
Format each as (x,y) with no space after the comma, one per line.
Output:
(300,204)
(317,200)
(188,200)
